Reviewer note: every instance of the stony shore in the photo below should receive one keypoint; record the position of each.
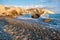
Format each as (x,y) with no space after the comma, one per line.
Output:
(13,29)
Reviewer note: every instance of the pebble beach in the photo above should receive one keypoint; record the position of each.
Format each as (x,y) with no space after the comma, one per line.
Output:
(28,29)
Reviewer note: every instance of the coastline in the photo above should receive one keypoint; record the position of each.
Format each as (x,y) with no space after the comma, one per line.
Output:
(29,28)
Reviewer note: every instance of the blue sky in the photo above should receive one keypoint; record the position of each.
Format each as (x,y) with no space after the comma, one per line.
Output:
(31,2)
(46,3)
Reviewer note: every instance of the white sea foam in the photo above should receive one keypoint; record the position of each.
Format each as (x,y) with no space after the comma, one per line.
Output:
(44,16)
(25,18)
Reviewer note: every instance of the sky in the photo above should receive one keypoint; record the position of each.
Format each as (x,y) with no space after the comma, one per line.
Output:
(43,3)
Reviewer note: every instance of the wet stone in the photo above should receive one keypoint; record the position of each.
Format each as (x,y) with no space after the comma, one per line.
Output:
(42,33)
(27,32)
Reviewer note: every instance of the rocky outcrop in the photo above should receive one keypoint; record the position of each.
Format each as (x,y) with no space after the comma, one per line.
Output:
(47,20)
(16,11)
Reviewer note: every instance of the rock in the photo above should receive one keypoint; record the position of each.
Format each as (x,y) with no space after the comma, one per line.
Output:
(47,20)
(16,11)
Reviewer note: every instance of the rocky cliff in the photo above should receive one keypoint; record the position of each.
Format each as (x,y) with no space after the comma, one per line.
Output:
(16,11)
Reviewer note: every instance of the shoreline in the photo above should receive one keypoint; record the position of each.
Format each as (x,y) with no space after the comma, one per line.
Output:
(28,29)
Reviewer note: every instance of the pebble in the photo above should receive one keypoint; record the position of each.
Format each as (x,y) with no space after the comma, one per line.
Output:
(41,33)
(18,32)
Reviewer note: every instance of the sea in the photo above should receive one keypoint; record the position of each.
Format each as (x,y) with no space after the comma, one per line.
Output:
(54,16)
(55,23)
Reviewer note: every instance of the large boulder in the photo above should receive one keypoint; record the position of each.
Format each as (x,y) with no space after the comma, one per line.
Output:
(2,10)
(41,12)
(11,12)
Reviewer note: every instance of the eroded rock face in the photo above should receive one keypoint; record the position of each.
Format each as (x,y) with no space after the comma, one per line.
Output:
(35,16)
(12,13)
(38,13)
(16,11)
(2,10)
